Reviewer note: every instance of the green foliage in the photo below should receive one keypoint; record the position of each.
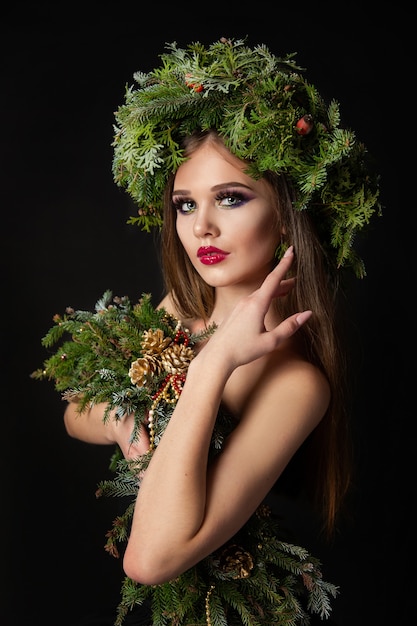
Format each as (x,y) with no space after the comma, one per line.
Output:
(254,100)
(96,349)
(284,587)
(256,579)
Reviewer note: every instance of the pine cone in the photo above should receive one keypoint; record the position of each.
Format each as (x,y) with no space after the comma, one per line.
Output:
(142,370)
(176,358)
(236,561)
(154,342)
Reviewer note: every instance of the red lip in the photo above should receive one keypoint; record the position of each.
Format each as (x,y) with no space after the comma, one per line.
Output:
(209,255)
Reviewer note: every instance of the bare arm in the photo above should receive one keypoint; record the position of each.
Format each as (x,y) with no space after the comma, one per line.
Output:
(184,509)
(90,427)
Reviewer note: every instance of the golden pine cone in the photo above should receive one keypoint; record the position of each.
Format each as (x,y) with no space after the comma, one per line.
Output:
(236,561)
(154,341)
(176,358)
(142,370)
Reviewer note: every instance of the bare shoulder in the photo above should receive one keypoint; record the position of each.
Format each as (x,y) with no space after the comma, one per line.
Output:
(299,383)
(304,383)
(168,304)
(282,387)
(278,403)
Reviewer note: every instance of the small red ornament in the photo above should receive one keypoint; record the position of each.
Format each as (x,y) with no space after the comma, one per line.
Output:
(304,124)
(197,87)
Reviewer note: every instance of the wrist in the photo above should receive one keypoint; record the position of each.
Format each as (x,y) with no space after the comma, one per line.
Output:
(211,362)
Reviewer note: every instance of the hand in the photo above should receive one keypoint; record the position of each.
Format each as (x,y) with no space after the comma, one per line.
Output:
(123,433)
(242,336)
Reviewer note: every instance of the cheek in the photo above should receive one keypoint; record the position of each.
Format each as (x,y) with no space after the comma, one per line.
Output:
(186,238)
(264,234)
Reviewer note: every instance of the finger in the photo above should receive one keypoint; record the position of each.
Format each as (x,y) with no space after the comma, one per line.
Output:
(286,286)
(271,287)
(291,324)
(270,340)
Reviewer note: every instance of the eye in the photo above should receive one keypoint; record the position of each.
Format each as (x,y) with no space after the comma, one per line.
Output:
(183,205)
(231,199)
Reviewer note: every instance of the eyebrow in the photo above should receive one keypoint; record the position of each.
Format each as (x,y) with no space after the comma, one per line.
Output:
(214,188)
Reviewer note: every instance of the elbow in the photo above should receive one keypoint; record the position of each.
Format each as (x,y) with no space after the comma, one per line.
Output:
(142,572)
(150,568)
(68,422)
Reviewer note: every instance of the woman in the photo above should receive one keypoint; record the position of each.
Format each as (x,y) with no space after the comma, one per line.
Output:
(254,167)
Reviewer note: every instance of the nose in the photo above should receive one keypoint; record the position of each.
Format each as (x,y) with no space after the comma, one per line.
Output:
(205,222)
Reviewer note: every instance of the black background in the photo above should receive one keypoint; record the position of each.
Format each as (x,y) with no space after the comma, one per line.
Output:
(65,241)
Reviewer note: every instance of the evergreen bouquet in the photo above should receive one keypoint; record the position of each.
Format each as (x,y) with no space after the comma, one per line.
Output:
(134,357)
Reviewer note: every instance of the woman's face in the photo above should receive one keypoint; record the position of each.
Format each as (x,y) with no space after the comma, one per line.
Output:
(226,220)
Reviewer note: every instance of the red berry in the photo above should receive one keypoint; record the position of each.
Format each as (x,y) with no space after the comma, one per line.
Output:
(304,124)
(195,86)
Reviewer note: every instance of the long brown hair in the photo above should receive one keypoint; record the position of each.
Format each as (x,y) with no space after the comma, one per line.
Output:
(329,455)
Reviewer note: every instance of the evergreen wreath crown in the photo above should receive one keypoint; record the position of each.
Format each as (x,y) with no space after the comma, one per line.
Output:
(267,114)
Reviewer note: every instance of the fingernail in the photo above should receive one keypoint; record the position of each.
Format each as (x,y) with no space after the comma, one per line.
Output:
(303,317)
(289,251)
